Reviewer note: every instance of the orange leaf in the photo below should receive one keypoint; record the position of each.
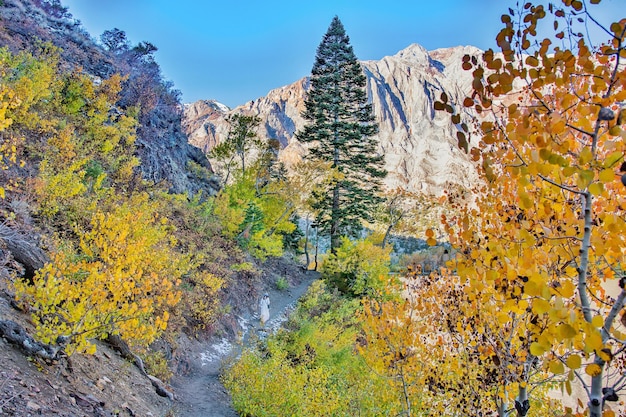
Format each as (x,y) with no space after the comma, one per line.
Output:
(593,369)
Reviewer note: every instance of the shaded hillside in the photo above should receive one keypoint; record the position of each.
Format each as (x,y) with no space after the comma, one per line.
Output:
(91,144)
(162,147)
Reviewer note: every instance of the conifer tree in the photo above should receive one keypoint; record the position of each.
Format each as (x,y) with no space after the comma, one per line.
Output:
(340,132)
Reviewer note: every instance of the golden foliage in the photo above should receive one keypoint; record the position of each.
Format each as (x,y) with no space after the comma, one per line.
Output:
(121,280)
(358,268)
(119,266)
(312,370)
(547,239)
(257,217)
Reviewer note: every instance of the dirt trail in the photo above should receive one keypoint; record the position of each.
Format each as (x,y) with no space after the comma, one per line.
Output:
(199,391)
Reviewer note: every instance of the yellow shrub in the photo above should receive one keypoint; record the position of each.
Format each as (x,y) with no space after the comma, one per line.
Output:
(358,268)
(202,299)
(122,280)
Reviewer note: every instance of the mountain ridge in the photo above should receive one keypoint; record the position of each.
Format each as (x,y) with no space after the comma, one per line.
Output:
(419,144)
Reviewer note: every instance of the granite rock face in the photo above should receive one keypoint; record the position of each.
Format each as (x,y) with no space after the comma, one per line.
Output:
(419,143)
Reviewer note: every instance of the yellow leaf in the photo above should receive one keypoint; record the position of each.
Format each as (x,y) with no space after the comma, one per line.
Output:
(537,349)
(596,188)
(594,340)
(525,200)
(597,321)
(607,175)
(558,127)
(533,289)
(567,289)
(615,131)
(2,192)
(431,242)
(91,349)
(585,156)
(541,306)
(503,318)
(430,233)
(556,367)
(584,178)
(612,159)
(607,413)
(593,369)
(566,331)
(573,362)
(605,354)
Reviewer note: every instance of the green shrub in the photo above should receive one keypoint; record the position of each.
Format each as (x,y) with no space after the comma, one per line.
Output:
(282,284)
(357,268)
(312,370)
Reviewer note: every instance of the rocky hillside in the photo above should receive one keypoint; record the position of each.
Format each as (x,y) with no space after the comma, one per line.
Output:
(66,116)
(162,144)
(419,144)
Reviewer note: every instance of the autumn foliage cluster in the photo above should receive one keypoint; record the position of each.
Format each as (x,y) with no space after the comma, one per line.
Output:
(528,316)
(118,260)
(544,246)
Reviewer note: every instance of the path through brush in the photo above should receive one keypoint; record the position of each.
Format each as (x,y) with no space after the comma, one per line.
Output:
(199,391)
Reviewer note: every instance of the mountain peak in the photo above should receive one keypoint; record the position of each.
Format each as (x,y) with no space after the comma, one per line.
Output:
(419,144)
(414,52)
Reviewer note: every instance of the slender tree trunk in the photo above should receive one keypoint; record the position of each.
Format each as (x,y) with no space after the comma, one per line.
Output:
(317,244)
(228,171)
(522,405)
(334,226)
(405,393)
(243,162)
(501,408)
(596,399)
(407,398)
(595,392)
(288,211)
(306,243)
(393,221)
(388,232)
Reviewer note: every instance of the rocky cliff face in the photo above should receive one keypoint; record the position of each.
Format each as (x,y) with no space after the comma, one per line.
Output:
(419,144)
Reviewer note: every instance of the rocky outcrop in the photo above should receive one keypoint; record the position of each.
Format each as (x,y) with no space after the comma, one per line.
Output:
(419,143)
(201,120)
(166,155)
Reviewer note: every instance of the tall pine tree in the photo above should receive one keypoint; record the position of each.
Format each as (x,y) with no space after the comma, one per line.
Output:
(341,131)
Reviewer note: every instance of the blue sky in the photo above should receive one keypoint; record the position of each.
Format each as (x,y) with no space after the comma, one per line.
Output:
(236,51)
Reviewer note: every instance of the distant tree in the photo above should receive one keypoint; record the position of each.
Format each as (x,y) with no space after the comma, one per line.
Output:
(53,8)
(145,48)
(241,138)
(341,132)
(269,167)
(114,40)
